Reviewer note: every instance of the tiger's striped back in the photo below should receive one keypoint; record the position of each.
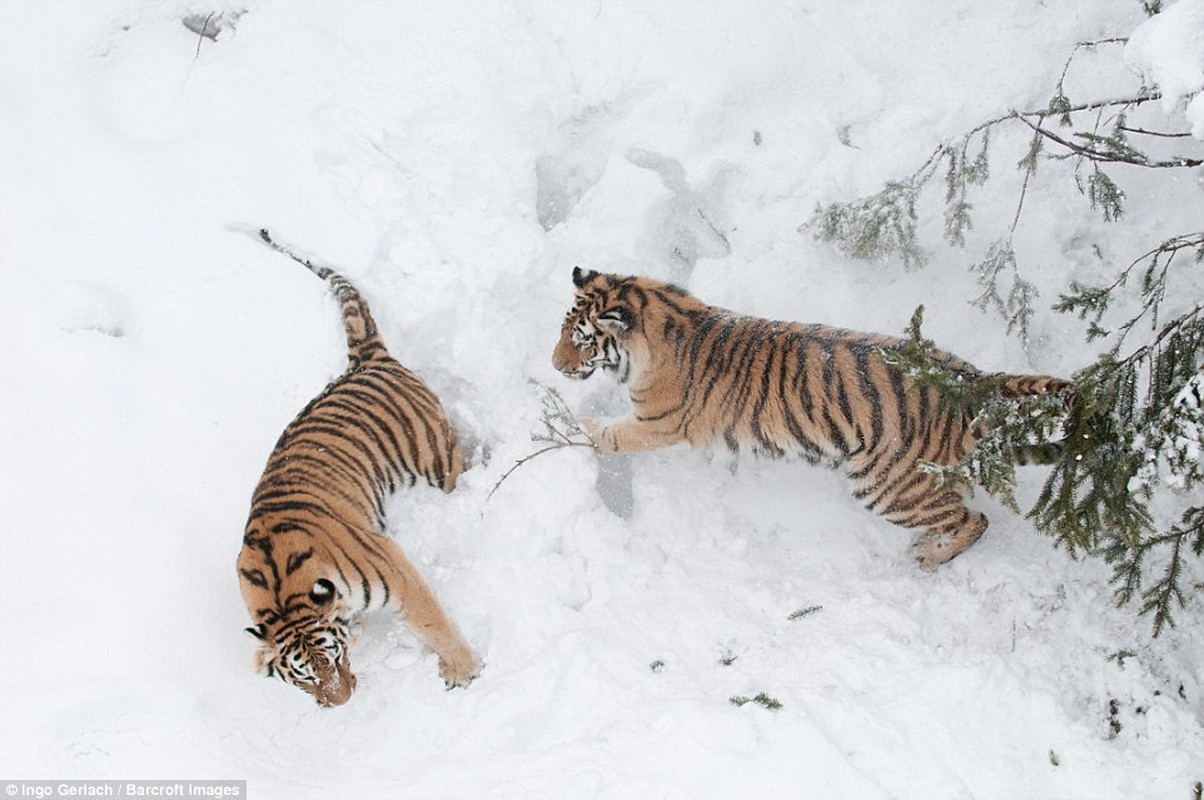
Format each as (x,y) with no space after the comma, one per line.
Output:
(315,553)
(704,375)
(375,428)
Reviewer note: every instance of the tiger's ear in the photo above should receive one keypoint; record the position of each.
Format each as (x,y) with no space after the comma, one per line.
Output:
(582,277)
(616,319)
(258,631)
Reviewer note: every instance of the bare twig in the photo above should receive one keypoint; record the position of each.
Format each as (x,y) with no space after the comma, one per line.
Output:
(1144,132)
(201,36)
(1086,46)
(1030,167)
(527,458)
(561,429)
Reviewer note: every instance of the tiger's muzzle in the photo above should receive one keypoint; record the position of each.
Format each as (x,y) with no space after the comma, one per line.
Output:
(568,360)
(335,685)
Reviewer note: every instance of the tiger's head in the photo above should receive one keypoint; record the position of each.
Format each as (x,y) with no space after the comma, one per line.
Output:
(302,626)
(602,329)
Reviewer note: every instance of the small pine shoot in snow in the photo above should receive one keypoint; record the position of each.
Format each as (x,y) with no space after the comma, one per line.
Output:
(760,698)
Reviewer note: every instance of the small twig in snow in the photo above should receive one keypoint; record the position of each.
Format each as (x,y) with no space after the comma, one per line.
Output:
(201,36)
(561,429)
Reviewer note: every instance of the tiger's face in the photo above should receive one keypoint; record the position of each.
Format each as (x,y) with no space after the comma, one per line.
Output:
(597,331)
(309,653)
(302,627)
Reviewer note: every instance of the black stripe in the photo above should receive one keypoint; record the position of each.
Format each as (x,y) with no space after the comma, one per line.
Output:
(870,391)
(296,560)
(255,577)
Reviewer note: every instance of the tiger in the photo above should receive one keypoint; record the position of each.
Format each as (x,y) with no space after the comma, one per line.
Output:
(704,375)
(315,554)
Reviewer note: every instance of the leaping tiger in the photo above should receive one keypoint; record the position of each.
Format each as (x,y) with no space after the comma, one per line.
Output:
(315,553)
(701,374)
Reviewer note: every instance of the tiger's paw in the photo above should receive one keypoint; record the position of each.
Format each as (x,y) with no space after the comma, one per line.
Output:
(592,428)
(933,549)
(929,551)
(596,430)
(459,672)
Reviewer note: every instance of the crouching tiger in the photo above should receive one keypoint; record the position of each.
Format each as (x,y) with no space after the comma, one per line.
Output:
(702,375)
(315,553)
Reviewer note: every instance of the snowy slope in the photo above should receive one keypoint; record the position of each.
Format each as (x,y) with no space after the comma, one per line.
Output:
(456,160)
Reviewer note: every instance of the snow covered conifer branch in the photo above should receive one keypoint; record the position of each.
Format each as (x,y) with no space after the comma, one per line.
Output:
(884,225)
(1122,479)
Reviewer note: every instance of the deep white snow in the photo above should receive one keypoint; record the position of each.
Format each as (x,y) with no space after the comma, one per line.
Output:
(456,160)
(1168,50)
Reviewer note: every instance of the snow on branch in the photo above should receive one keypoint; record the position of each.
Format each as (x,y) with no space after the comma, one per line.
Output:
(1134,431)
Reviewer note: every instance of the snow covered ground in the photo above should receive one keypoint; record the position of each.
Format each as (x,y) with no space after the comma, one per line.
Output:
(456,160)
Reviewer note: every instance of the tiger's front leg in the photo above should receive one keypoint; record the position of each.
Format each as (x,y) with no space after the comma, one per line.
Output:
(629,434)
(415,602)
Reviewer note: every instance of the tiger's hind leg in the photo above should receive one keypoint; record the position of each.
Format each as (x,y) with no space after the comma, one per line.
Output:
(956,529)
(912,500)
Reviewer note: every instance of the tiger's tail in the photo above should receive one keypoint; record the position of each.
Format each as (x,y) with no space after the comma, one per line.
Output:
(363,339)
(1029,385)
(1025,385)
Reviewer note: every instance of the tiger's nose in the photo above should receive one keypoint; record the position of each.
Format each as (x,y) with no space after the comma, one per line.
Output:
(335,687)
(563,357)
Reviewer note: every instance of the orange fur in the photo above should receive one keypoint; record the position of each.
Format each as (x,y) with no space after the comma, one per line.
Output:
(699,374)
(315,553)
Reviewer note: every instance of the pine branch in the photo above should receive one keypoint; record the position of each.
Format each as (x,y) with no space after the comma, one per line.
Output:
(1160,597)
(962,173)
(1086,498)
(1095,498)
(883,225)
(1093,301)
(1166,594)
(918,358)
(1108,154)
(1060,106)
(1180,322)
(1105,195)
(1126,101)
(1135,427)
(760,699)
(875,227)
(1009,426)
